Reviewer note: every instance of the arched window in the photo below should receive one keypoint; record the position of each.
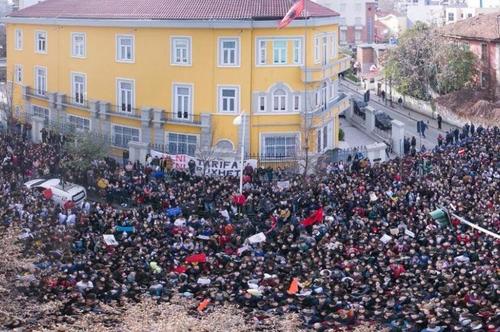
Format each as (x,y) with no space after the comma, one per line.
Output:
(224,145)
(279,100)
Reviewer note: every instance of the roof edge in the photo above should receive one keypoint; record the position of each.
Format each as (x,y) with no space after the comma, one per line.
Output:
(177,23)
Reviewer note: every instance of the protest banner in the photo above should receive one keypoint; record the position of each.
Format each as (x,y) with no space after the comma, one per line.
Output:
(283,184)
(385,238)
(257,238)
(110,240)
(212,167)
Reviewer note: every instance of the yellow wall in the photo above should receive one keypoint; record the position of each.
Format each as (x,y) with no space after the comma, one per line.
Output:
(154,75)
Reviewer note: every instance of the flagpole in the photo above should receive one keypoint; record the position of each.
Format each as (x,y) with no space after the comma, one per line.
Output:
(306,129)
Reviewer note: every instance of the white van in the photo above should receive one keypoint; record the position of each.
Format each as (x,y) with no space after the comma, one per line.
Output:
(60,195)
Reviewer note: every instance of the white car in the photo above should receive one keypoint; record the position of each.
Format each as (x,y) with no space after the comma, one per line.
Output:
(60,194)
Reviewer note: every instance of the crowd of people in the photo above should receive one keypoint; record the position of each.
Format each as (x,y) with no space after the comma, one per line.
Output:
(354,244)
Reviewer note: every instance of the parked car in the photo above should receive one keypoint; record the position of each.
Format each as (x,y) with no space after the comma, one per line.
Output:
(383,120)
(359,107)
(58,193)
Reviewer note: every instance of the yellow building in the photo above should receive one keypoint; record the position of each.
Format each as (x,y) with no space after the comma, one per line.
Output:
(175,73)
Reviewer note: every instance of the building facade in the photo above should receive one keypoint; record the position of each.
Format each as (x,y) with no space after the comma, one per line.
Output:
(357,20)
(175,74)
(482,35)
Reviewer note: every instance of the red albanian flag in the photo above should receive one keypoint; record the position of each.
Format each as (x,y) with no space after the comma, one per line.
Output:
(239,199)
(316,217)
(47,193)
(292,14)
(197,258)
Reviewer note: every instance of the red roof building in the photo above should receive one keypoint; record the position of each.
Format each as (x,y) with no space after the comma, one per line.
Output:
(481,34)
(169,9)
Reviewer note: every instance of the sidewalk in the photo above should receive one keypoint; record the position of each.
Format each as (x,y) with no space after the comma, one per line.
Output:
(403,111)
(353,137)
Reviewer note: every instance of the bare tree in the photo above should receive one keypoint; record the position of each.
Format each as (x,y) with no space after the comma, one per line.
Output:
(6,102)
(208,152)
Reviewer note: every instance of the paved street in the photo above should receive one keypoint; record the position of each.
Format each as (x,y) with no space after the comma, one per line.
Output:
(409,118)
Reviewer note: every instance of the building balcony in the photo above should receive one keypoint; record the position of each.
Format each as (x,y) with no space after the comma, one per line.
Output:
(182,118)
(319,73)
(79,103)
(341,101)
(29,92)
(123,111)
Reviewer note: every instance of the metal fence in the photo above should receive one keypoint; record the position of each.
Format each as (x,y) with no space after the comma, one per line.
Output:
(385,134)
(344,155)
(292,164)
(358,119)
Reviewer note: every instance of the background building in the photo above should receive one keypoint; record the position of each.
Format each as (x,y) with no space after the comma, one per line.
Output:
(357,20)
(174,74)
(482,35)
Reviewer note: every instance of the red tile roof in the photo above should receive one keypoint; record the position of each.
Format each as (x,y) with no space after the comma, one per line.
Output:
(169,9)
(482,27)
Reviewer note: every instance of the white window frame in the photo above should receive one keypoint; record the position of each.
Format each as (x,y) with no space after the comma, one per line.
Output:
(262,58)
(236,50)
(83,53)
(173,51)
(45,110)
(119,95)
(342,33)
(168,142)
(297,51)
(331,90)
(263,137)
(333,45)
(175,102)
(277,107)
(296,103)
(262,103)
(74,99)
(76,125)
(280,54)
(236,89)
(18,74)
(317,49)
(113,129)
(118,39)
(262,52)
(37,87)
(39,33)
(356,34)
(18,37)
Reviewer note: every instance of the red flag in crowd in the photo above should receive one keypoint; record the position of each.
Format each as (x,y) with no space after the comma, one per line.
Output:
(316,217)
(196,258)
(292,14)
(47,193)
(179,269)
(239,199)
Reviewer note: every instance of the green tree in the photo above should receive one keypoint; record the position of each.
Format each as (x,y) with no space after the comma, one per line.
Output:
(456,67)
(424,63)
(81,149)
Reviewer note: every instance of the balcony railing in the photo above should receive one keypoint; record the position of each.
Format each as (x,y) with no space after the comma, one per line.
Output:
(329,105)
(182,117)
(126,111)
(76,102)
(37,93)
(321,72)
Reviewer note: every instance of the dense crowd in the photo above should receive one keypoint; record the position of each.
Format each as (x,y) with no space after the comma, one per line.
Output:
(354,244)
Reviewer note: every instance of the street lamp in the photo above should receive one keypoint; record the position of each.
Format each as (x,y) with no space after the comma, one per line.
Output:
(238,121)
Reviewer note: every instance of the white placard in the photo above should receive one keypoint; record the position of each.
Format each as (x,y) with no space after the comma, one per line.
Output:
(110,240)
(385,238)
(257,238)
